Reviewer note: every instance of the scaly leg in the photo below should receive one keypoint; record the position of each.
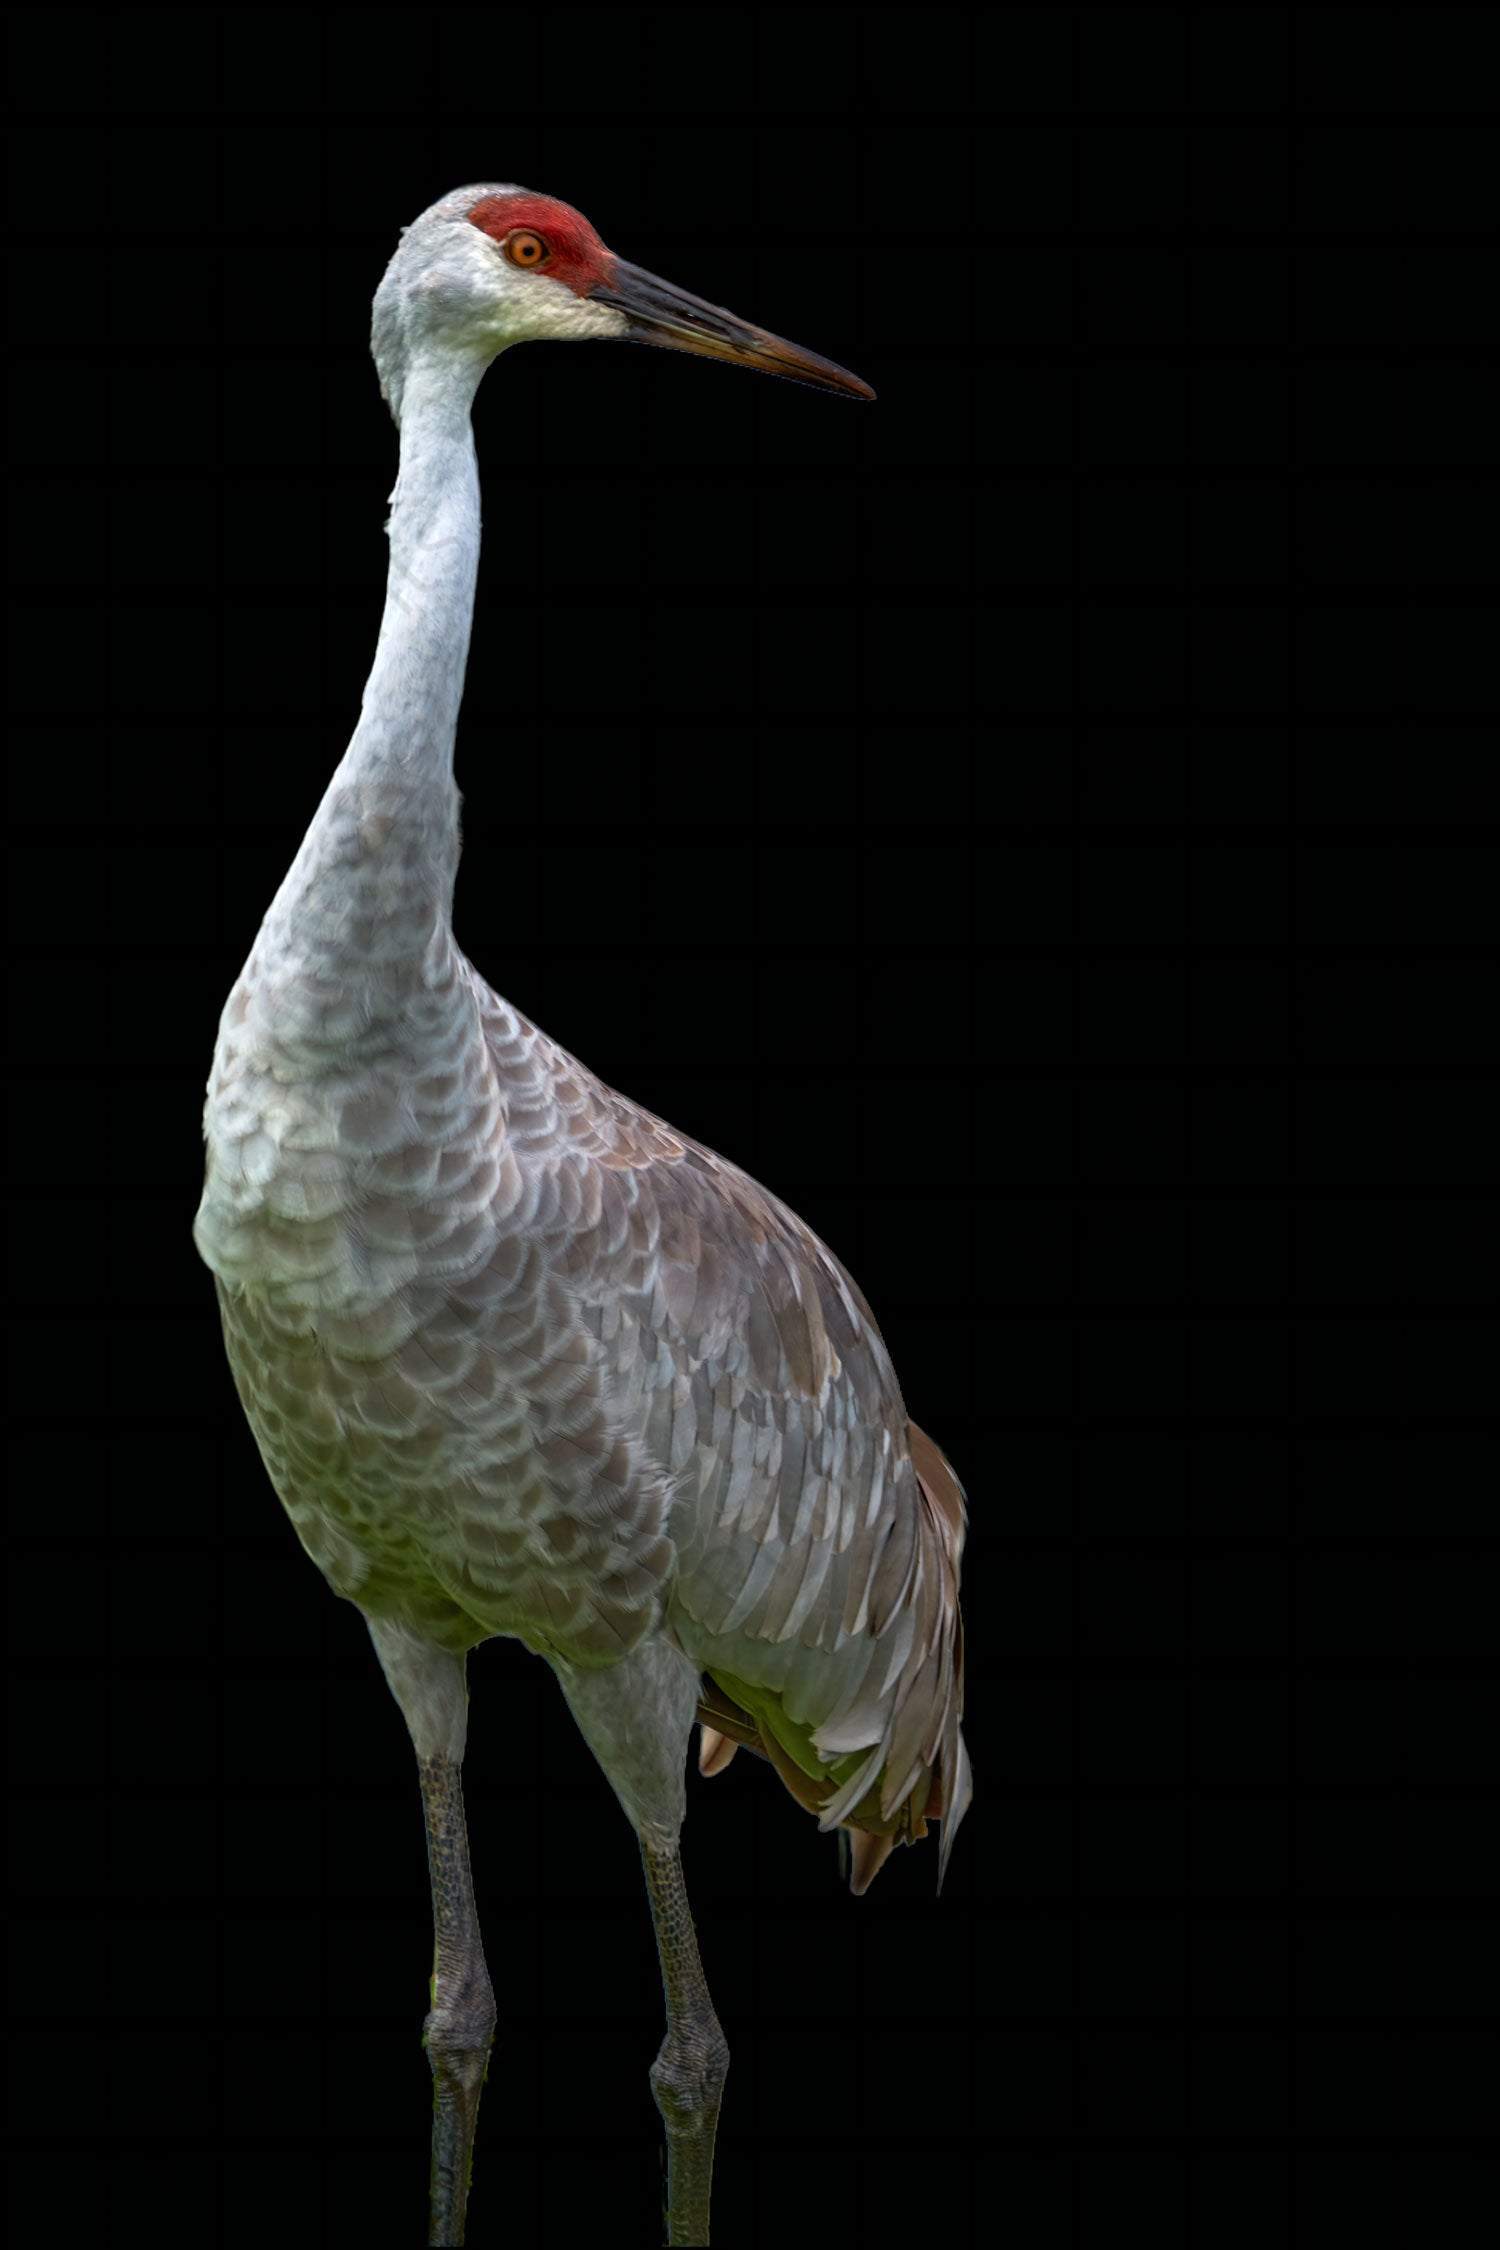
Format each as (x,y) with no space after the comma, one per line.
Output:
(461,2021)
(688,2075)
(636,1719)
(428,1683)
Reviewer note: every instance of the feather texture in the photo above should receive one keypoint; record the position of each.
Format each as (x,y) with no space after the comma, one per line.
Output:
(520,1358)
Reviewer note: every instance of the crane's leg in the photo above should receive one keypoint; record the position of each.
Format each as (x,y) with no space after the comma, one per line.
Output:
(428,1684)
(688,2075)
(636,1719)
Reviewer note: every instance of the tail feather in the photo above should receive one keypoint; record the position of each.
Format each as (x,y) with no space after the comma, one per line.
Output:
(948,1513)
(715,1751)
(919,1769)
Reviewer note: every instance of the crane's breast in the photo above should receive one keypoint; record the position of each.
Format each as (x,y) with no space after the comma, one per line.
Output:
(431,1409)
(467,1478)
(334,1181)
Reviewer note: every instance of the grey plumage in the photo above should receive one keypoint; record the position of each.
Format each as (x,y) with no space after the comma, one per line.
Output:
(519,1357)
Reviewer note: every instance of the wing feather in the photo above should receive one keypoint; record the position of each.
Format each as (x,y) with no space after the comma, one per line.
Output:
(818,1531)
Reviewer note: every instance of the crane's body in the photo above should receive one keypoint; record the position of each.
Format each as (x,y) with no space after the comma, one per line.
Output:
(520,1358)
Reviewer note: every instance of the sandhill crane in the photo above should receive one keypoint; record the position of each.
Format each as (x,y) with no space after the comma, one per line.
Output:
(520,1358)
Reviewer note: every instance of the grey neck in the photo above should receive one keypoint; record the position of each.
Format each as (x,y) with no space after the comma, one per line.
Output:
(409,711)
(367,903)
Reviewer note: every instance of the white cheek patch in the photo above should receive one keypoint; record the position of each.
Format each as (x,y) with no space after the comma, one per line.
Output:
(542,307)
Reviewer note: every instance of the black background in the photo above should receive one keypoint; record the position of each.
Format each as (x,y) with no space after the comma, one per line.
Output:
(1039,825)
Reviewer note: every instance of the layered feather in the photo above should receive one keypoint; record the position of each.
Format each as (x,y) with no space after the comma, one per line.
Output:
(819,1532)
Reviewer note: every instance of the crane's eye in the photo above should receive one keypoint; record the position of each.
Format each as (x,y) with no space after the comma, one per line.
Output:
(525,249)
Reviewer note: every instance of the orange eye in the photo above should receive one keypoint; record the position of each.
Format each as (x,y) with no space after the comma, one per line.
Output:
(525,249)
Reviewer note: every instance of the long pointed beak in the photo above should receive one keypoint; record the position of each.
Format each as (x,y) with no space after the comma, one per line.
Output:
(660,314)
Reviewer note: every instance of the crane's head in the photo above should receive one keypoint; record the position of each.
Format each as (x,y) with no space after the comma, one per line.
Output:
(490,266)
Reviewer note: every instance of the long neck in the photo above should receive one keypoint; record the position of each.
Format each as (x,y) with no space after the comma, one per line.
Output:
(366,905)
(410,708)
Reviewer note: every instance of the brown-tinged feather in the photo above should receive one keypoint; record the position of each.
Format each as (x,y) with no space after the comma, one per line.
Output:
(714,1751)
(868,1854)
